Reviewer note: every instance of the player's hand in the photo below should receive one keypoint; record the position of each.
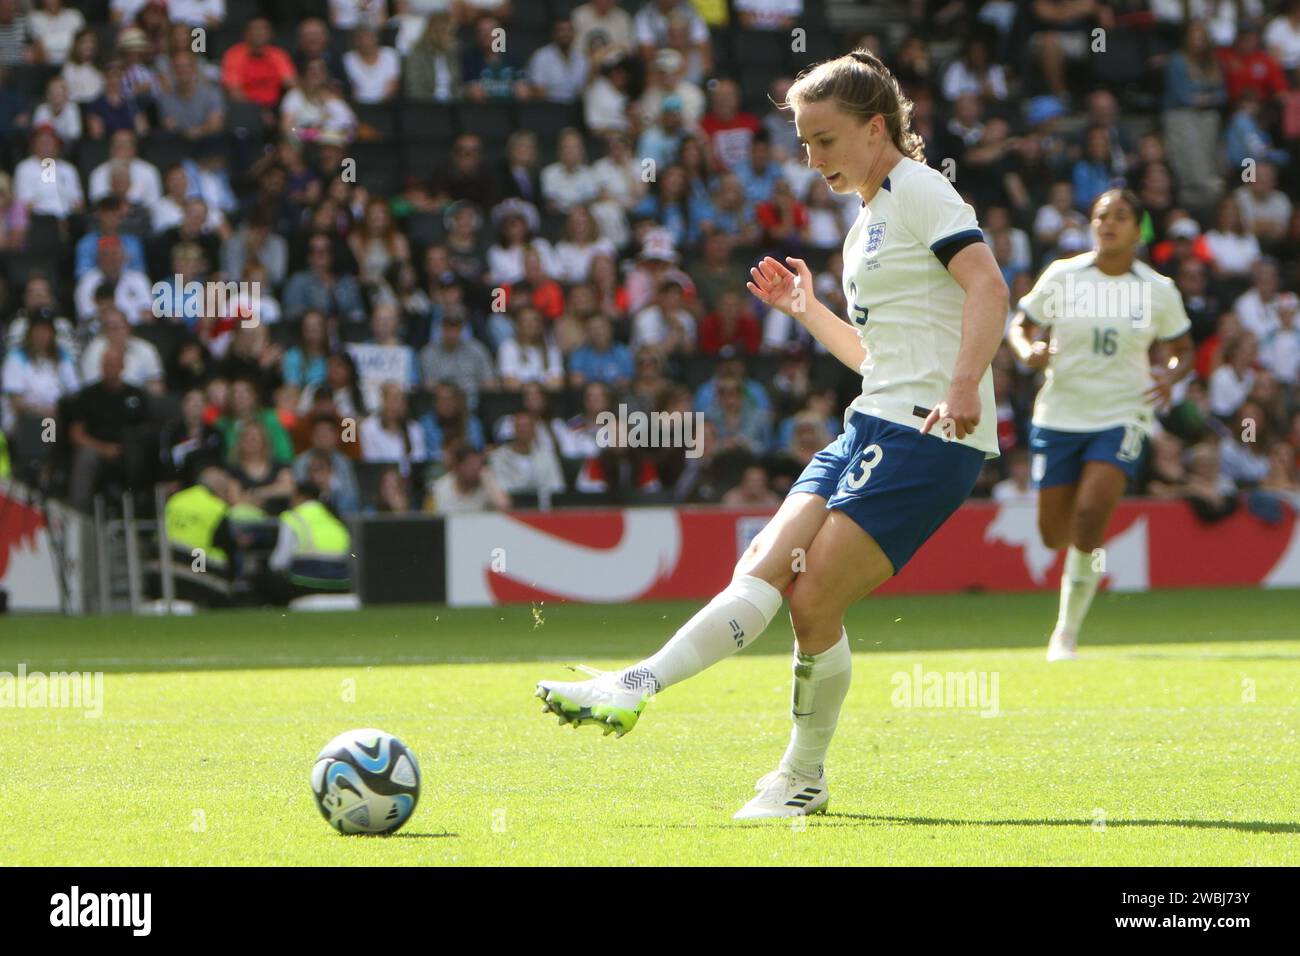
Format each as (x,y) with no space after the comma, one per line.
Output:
(1161,391)
(1040,353)
(957,415)
(778,287)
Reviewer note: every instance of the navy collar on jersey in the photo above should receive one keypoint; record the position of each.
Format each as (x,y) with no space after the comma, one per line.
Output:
(884,186)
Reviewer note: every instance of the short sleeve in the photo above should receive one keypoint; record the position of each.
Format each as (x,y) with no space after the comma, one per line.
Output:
(1171,318)
(937,216)
(1034,302)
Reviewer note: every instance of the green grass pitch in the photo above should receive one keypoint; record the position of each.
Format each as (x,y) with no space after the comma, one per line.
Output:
(1175,739)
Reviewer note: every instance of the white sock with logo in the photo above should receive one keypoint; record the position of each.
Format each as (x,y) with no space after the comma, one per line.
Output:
(735,617)
(821,682)
(1079,583)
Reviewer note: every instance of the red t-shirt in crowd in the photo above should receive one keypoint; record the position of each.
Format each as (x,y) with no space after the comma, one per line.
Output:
(1259,72)
(262,77)
(745,336)
(731,138)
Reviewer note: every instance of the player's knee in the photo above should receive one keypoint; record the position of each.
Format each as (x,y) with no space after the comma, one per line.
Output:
(808,604)
(1055,534)
(1090,520)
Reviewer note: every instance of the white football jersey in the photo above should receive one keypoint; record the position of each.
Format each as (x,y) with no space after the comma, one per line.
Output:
(1102,327)
(905,305)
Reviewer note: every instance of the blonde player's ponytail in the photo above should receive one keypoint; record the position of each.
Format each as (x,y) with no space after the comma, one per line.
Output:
(860,84)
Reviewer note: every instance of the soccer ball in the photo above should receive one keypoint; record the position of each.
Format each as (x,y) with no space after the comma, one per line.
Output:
(366,781)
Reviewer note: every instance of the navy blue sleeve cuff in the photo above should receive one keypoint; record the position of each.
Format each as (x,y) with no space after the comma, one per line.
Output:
(949,246)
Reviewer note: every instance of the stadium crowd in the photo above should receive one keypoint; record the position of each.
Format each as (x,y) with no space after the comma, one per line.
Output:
(462,229)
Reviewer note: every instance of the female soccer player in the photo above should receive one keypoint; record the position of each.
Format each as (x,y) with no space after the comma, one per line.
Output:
(927,306)
(1103,309)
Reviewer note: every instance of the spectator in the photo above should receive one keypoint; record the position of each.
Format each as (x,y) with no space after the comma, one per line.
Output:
(189,445)
(1233,250)
(342,488)
(146,183)
(466,177)
(600,359)
(731,328)
(1280,348)
(55,27)
(740,424)
(530,356)
(58,111)
(312,112)
(374,71)
(581,244)
(109,213)
(256,71)
(432,70)
(1282,36)
(1257,306)
(514,239)
(85,80)
(779,15)
(568,182)
(604,26)
(558,71)
(254,241)
(305,362)
(1060,31)
(193,108)
(246,409)
(488,71)
(390,434)
(449,421)
(668,81)
(523,465)
(58,196)
(265,480)
(665,323)
(1247,67)
(752,491)
(38,299)
(1265,208)
(116,109)
(141,364)
(1233,380)
(132,293)
(651,26)
(973,73)
(385,358)
(457,357)
(605,100)
(103,419)
(376,243)
(320,288)
(468,485)
(36,375)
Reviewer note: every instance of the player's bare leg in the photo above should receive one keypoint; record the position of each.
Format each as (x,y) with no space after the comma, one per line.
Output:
(1100,487)
(732,620)
(844,565)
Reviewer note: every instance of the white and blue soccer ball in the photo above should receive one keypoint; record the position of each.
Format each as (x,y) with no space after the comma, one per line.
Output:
(366,781)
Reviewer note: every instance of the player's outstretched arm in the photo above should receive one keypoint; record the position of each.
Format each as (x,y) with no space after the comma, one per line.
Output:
(792,293)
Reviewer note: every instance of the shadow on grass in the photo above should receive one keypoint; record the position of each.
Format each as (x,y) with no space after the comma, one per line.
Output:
(421,836)
(859,819)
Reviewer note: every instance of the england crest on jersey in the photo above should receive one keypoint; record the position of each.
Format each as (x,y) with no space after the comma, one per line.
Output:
(875,239)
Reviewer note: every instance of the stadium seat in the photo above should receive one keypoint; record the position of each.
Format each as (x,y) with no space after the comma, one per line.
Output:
(90,153)
(494,404)
(165,150)
(758,48)
(755,83)
(524,500)
(424,229)
(494,122)
(524,43)
(426,122)
(547,119)
(419,160)
(380,118)
(166,337)
(530,15)
(818,45)
(223,38)
(243,119)
(379,167)
(30,78)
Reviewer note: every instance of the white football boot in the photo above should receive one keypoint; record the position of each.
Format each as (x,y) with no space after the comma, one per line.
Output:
(782,794)
(602,701)
(1062,647)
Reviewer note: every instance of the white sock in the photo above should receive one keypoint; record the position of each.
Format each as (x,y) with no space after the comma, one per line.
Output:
(1078,585)
(821,682)
(732,620)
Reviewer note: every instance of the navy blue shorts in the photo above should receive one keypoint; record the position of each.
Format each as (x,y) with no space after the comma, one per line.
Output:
(1057,457)
(895,483)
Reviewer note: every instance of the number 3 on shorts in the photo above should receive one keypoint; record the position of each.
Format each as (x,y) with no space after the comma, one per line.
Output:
(871,456)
